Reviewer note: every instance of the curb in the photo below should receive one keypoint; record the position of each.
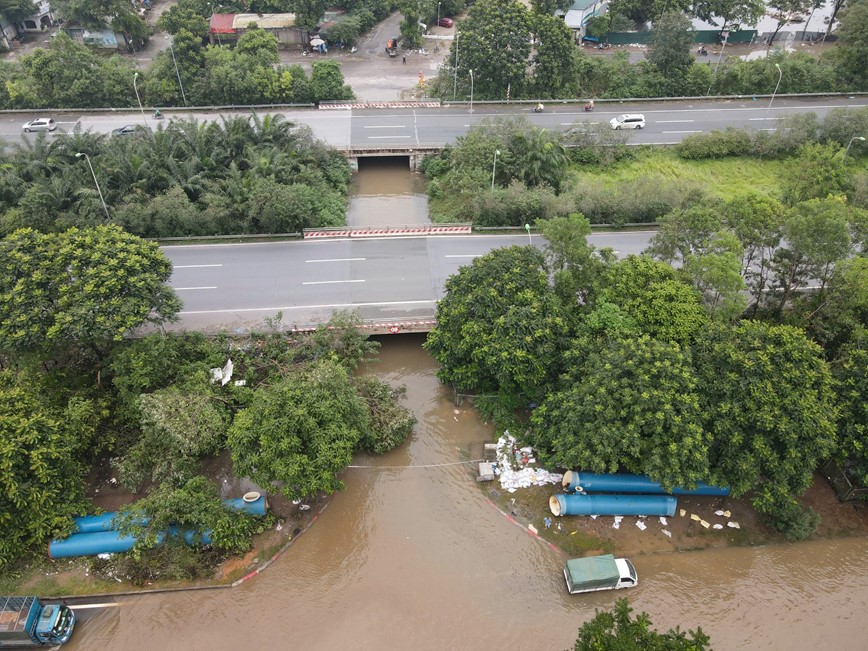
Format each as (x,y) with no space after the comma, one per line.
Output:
(527,529)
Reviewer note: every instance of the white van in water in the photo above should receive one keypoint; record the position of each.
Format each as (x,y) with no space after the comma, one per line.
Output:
(628,121)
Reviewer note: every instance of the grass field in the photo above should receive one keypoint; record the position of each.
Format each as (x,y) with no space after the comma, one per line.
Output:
(724,178)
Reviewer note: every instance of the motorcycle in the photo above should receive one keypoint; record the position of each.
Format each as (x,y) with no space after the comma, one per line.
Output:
(587,108)
(158,115)
(538,108)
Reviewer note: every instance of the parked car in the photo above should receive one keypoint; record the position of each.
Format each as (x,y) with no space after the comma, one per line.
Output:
(124,131)
(40,124)
(628,121)
(446,22)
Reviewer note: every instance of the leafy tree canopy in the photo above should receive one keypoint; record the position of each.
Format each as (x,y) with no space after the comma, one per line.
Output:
(300,432)
(495,45)
(634,404)
(40,476)
(617,630)
(766,393)
(851,54)
(649,292)
(80,288)
(671,41)
(499,326)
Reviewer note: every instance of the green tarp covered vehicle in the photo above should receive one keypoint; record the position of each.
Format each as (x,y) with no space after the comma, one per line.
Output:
(599,573)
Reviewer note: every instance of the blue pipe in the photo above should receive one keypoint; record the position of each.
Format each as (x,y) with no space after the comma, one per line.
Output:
(581,504)
(590,482)
(106,521)
(112,542)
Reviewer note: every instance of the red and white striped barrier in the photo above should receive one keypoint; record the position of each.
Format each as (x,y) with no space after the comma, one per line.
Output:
(405,231)
(392,328)
(378,105)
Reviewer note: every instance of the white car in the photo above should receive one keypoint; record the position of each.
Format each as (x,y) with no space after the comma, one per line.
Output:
(40,124)
(628,121)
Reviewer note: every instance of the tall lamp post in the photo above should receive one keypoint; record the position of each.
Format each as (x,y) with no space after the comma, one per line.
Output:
(141,108)
(494,168)
(438,14)
(471,91)
(177,72)
(847,151)
(96,183)
(780,76)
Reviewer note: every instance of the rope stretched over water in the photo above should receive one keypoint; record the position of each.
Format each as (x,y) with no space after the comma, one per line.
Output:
(430,465)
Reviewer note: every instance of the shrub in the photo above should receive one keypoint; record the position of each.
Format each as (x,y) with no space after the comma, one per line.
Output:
(717,144)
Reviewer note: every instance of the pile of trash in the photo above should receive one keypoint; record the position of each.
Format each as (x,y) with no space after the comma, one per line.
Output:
(515,466)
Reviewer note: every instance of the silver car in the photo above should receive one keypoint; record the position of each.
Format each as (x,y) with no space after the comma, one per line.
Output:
(40,124)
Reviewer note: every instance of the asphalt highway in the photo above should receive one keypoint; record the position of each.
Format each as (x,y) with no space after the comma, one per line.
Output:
(236,287)
(667,122)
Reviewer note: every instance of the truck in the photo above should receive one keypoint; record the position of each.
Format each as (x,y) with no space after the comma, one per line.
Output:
(26,622)
(392,47)
(594,573)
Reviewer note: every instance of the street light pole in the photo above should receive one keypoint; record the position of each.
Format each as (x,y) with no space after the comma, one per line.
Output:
(96,183)
(141,108)
(471,91)
(438,14)
(847,151)
(177,72)
(527,228)
(780,76)
(455,72)
(494,168)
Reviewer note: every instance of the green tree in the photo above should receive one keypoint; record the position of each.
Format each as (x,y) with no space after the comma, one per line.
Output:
(632,403)
(617,630)
(650,293)
(180,425)
(671,41)
(815,173)
(16,10)
(495,45)
(685,233)
(300,432)
(744,12)
(757,220)
(577,265)
(555,59)
(91,13)
(786,12)
(391,423)
(851,54)
(308,13)
(80,288)
(179,17)
(840,313)
(851,388)
(194,507)
(717,275)
(40,477)
(766,394)
(817,236)
(499,326)
(327,81)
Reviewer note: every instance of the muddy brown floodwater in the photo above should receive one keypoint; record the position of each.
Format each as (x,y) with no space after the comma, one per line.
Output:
(412,556)
(385,192)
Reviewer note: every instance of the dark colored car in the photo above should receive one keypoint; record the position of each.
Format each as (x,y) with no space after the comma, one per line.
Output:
(124,131)
(446,22)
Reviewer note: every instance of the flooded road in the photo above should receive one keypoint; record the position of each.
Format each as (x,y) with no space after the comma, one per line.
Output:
(412,556)
(385,192)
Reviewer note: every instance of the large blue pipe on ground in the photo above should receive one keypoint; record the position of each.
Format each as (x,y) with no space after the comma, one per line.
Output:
(106,521)
(112,542)
(590,482)
(581,504)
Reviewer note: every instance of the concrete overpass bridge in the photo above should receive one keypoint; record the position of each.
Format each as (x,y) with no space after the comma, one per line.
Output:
(414,153)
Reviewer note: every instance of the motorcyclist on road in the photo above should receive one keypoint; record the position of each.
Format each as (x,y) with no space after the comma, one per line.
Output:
(539,108)
(158,115)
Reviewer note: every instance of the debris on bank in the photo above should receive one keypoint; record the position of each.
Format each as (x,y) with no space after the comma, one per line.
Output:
(514,466)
